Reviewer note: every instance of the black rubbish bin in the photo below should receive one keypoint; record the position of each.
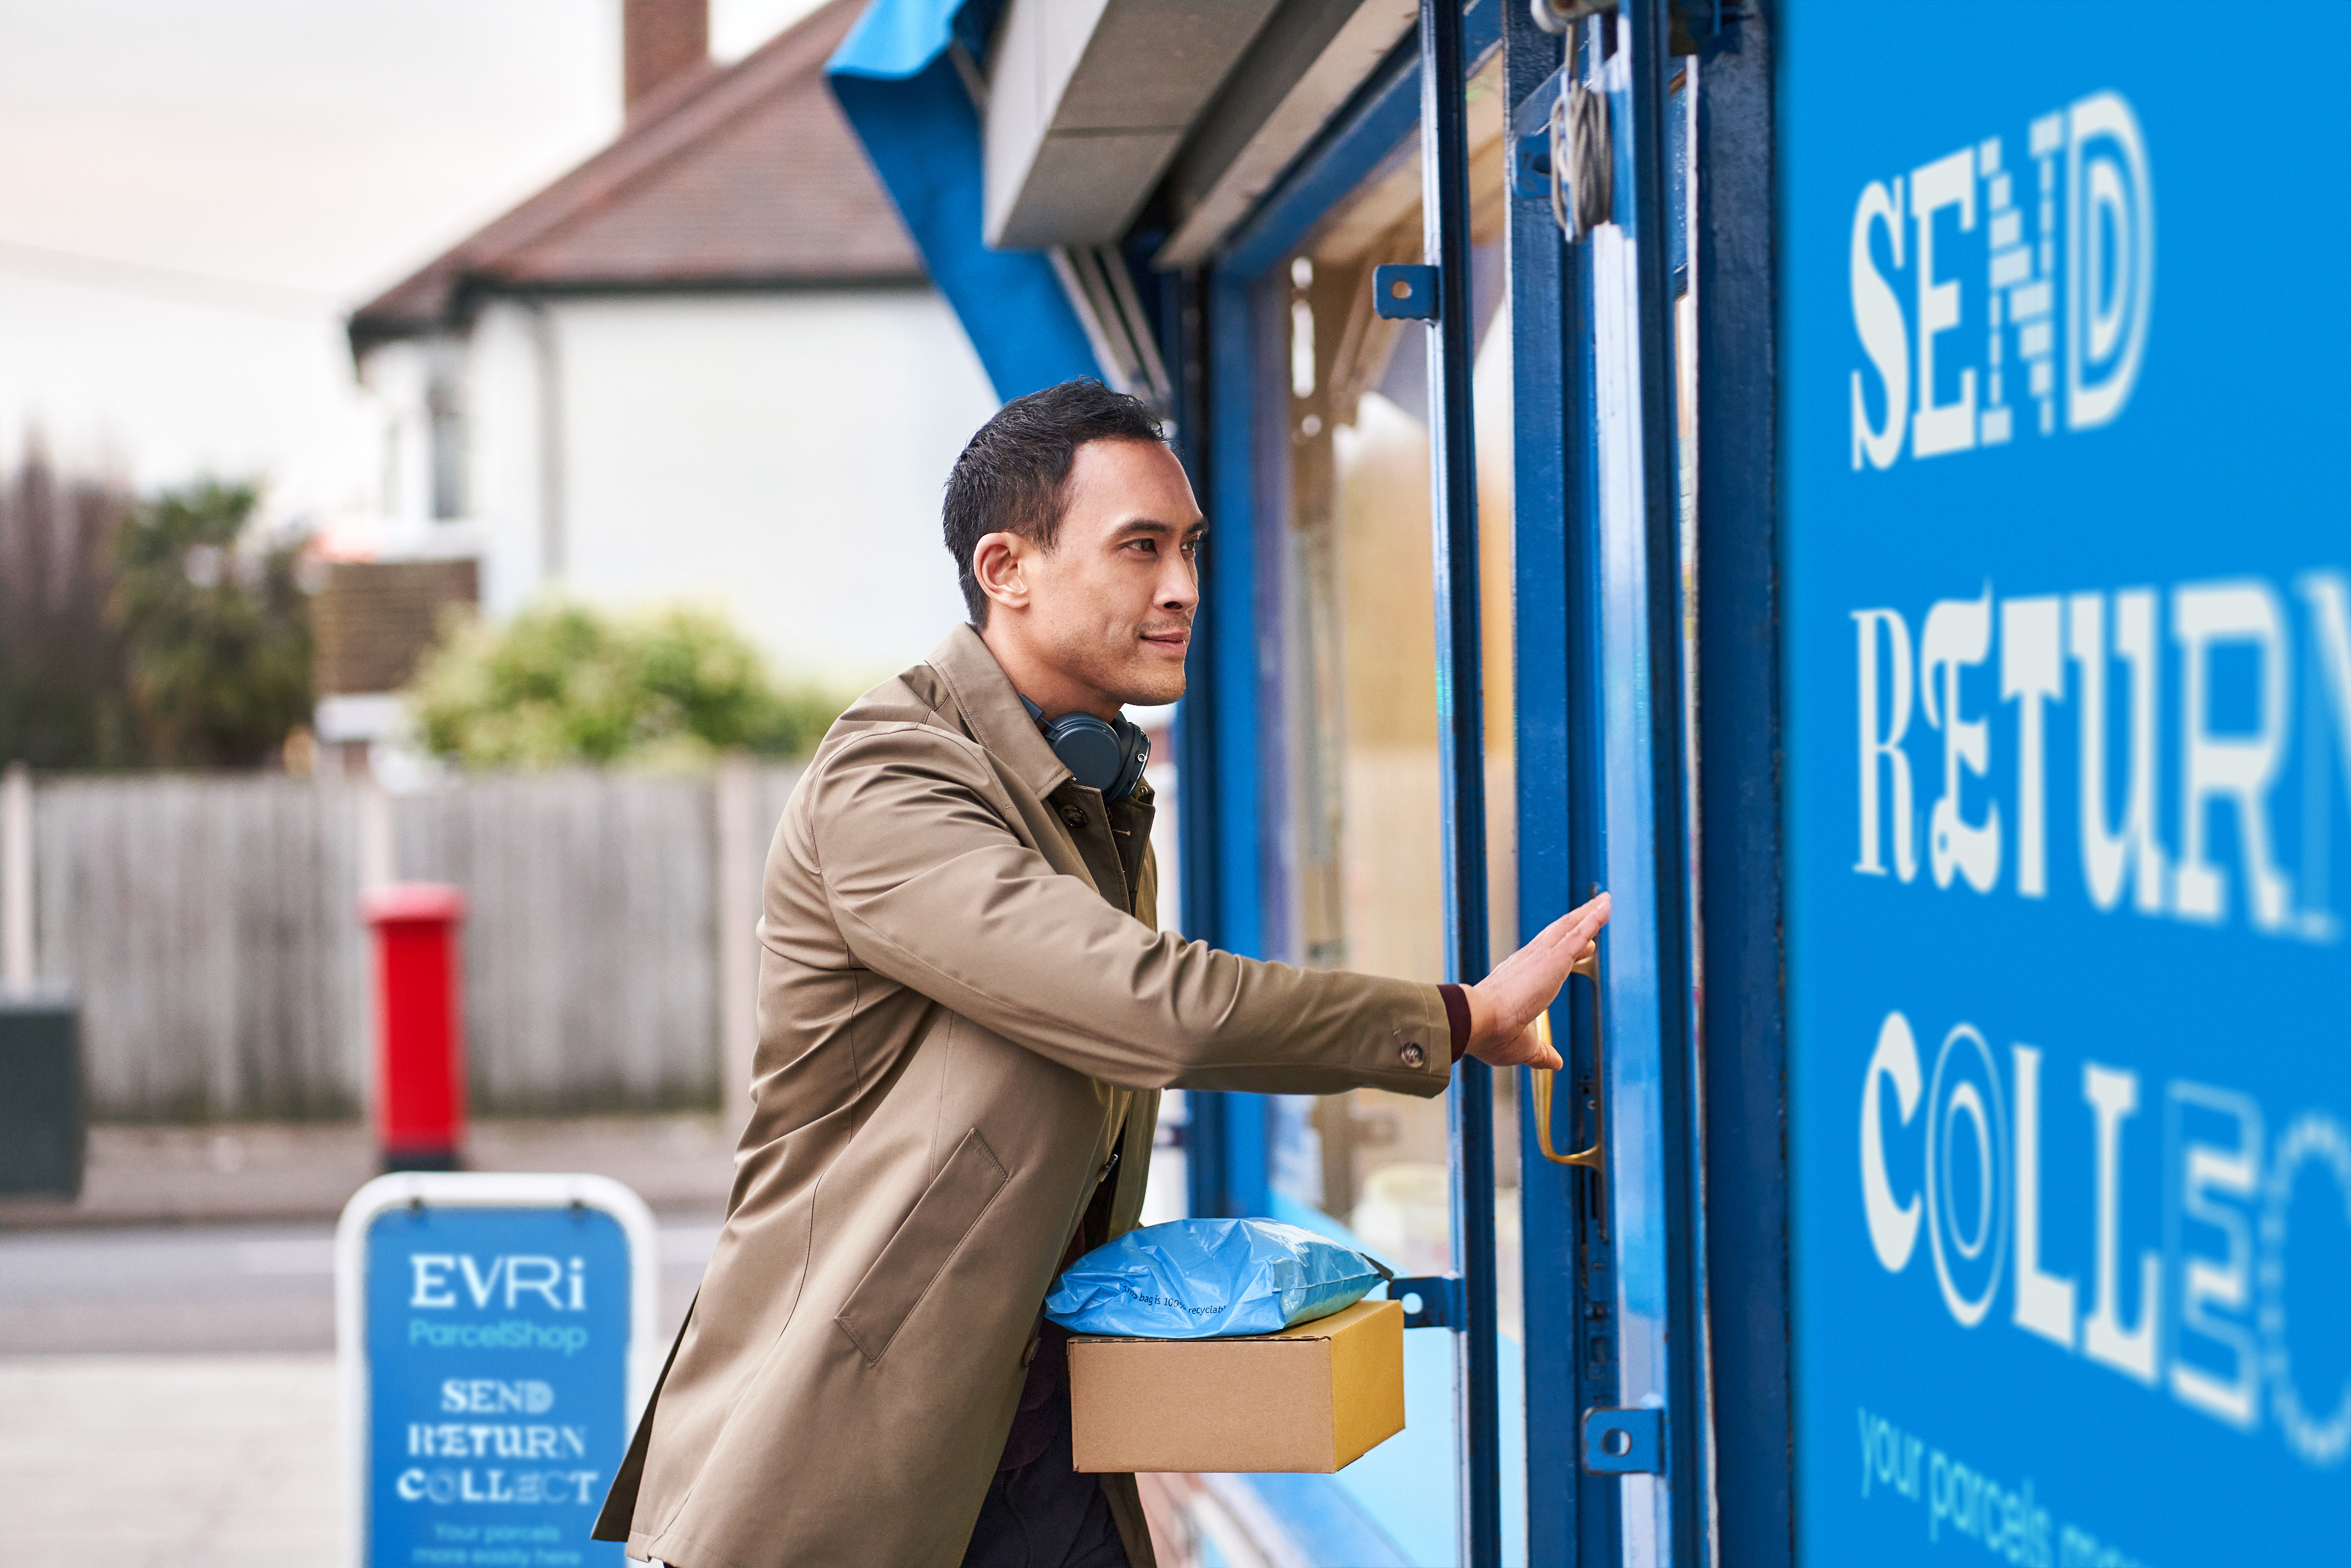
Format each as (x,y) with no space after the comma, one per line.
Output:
(42,1123)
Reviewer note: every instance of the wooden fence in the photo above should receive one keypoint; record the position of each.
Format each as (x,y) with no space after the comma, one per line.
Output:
(209,927)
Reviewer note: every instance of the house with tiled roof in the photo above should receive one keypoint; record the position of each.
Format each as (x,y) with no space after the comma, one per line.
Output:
(704,365)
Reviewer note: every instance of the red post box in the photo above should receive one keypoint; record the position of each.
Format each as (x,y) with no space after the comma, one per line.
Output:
(420,1103)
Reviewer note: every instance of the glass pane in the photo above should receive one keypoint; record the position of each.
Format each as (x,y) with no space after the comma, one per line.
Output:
(1167,1197)
(1358,880)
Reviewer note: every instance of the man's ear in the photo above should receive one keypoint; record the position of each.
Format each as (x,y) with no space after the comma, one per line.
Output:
(999,565)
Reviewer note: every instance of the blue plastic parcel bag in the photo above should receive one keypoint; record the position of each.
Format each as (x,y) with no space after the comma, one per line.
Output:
(1196,1279)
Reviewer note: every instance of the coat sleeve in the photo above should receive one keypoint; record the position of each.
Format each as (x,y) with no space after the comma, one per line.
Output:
(930,885)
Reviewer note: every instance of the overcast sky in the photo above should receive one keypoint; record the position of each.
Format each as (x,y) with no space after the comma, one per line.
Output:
(193,195)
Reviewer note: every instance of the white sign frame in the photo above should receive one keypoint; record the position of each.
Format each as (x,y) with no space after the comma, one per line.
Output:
(470,1189)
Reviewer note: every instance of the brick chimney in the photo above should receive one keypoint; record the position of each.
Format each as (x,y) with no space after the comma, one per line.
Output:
(659,40)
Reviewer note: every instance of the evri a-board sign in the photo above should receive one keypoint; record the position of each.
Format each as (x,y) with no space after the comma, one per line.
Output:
(495,1334)
(2065,380)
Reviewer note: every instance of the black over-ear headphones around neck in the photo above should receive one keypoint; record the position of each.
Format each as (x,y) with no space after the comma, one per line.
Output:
(1101,756)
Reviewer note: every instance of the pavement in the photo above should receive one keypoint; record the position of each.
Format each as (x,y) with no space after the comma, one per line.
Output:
(168,1395)
(171,1462)
(219,1289)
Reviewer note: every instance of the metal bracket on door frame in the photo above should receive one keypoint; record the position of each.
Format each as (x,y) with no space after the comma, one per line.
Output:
(1625,1442)
(1443,1304)
(1405,291)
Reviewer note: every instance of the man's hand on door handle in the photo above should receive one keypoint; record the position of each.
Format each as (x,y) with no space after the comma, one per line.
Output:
(1503,1005)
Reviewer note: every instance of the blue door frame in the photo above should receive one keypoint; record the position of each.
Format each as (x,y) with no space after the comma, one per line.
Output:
(1571,1515)
(1603,799)
(1647,962)
(1743,1014)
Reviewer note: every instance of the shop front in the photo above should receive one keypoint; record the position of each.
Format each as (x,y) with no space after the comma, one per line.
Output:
(1731,456)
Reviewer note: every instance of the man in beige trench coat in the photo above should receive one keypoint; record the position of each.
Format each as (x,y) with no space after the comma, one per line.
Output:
(965,1017)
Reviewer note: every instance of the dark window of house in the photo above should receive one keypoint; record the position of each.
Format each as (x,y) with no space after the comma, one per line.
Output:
(446,413)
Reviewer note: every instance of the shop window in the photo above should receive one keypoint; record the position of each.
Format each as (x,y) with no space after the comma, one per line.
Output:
(1357,878)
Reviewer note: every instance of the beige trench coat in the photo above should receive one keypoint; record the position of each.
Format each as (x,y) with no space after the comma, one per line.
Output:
(962,1003)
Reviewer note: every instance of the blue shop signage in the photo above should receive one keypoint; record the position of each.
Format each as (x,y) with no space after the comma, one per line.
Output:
(493,1335)
(2067,632)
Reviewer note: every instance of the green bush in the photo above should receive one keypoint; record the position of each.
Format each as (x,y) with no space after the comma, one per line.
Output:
(564,683)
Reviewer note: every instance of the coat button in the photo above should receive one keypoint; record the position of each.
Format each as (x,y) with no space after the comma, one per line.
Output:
(1073,817)
(1414,1056)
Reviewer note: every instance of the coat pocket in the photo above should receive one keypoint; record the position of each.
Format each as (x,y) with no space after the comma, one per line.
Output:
(914,1256)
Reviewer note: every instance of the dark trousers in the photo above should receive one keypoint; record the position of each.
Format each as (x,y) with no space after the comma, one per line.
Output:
(1043,1514)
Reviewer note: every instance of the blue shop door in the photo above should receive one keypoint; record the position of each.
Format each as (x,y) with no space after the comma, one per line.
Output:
(2067,666)
(1617,1405)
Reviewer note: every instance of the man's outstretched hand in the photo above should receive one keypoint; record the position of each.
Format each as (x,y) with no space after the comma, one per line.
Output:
(1503,1005)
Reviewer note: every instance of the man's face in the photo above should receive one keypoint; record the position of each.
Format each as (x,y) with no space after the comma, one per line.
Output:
(1110,605)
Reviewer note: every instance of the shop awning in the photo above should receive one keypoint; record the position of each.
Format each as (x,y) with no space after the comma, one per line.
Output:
(897,80)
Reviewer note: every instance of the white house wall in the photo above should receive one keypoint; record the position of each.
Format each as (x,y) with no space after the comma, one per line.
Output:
(504,464)
(779,455)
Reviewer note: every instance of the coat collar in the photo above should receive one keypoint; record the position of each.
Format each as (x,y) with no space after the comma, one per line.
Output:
(991,710)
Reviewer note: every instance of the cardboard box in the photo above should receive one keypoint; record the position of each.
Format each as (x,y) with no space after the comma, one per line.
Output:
(1314,1397)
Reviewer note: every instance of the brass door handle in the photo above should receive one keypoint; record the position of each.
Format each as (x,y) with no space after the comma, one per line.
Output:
(1595,1158)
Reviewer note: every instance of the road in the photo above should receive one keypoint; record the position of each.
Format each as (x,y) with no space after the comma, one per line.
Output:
(201,1290)
(168,1395)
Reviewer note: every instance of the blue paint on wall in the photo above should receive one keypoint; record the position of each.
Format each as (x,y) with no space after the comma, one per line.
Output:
(2069,1109)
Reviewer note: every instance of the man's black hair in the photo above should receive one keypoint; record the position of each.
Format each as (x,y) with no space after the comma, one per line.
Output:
(1010,476)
